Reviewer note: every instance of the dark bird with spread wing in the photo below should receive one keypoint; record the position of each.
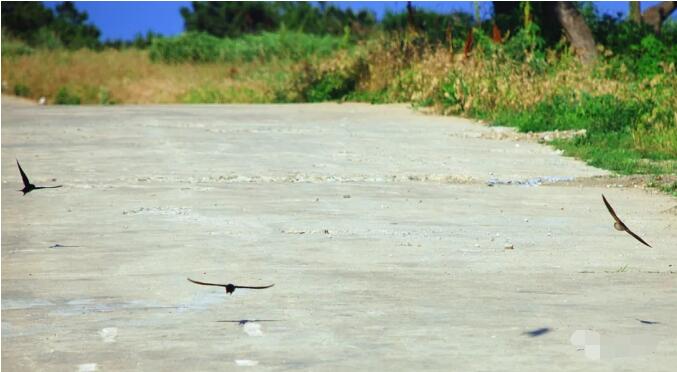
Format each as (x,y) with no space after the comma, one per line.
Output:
(230,288)
(28,186)
(619,225)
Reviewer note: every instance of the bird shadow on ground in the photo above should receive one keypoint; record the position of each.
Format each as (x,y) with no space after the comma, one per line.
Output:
(649,322)
(245,321)
(537,332)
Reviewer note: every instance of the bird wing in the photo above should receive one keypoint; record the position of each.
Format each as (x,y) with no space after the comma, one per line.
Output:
(613,214)
(637,237)
(24,178)
(242,286)
(611,210)
(203,283)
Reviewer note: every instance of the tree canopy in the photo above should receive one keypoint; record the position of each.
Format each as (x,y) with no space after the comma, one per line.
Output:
(234,18)
(36,24)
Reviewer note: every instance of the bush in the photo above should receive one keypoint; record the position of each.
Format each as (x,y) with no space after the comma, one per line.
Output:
(65,97)
(14,47)
(188,47)
(332,80)
(204,48)
(21,90)
(604,113)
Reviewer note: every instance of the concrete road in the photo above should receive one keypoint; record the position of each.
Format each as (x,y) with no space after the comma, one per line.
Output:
(386,246)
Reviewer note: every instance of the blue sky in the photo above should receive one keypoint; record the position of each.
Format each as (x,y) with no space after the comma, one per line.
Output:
(123,20)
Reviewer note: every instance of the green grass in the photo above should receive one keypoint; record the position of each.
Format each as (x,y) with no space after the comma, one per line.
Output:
(225,95)
(604,113)
(614,151)
(617,137)
(65,97)
(203,48)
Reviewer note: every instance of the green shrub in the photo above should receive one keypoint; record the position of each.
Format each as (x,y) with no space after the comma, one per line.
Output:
(204,48)
(330,86)
(188,47)
(65,97)
(104,97)
(231,94)
(21,90)
(13,48)
(604,113)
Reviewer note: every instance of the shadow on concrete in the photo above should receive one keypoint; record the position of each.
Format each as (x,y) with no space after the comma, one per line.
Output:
(245,321)
(537,332)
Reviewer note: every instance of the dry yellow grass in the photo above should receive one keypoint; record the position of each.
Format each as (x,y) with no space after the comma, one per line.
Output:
(130,77)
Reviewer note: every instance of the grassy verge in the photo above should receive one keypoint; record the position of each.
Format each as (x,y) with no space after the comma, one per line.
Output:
(129,76)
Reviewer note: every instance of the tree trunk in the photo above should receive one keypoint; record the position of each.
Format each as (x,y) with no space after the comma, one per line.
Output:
(635,14)
(410,17)
(577,31)
(655,15)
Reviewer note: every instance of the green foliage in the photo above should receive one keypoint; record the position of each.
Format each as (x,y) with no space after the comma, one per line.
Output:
(371,97)
(104,97)
(633,47)
(526,45)
(65,97)
(454,92)
(230,18)
(14,47)
(436,28)
(210,94)
(21,90)
(47,38)
(189,47)
(201,47)
(330,86)
(236,18)
(313,83)
(615,151)
(140,41)
(23,18)
(604,113)
(70,25)
(38,26)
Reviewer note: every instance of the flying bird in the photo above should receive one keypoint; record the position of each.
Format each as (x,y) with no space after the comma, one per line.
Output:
(28,186)
(230,288)
(619,225)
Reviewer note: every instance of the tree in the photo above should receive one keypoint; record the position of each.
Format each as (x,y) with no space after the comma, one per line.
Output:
(554,18)
(411,25)
(233,19)
(576,30)
(69,24)
(635,13)
(230,18)
(655,15)
(24,19)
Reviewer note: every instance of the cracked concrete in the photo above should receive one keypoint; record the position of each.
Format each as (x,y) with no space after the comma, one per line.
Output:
(376,224)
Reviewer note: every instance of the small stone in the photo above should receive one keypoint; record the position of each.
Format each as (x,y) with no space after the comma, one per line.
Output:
(508,246)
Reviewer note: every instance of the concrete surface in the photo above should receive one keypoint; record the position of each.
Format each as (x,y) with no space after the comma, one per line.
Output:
(386,246)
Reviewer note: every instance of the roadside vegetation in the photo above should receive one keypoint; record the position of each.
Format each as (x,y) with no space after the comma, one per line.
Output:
(505,71)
